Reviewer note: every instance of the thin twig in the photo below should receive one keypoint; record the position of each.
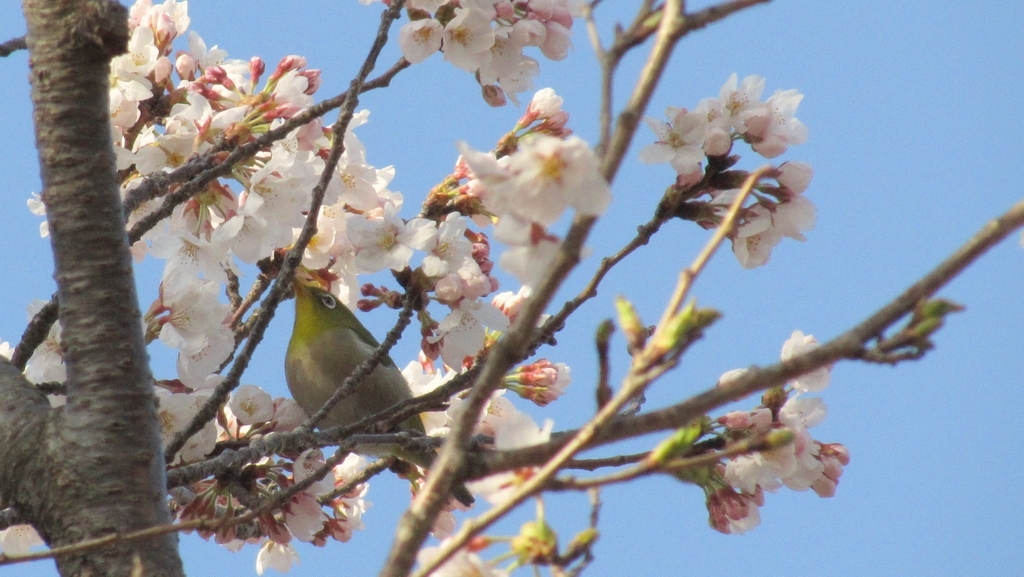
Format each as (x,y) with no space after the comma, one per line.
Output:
(724,229)
(13,45)
(35,333)
(372,470)
(253,296)
(599,463)
(648,466)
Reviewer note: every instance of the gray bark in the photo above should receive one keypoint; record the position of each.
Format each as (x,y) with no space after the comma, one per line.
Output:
(96,466)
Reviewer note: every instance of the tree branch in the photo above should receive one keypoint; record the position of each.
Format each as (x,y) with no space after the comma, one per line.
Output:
(850,345)
(12,45)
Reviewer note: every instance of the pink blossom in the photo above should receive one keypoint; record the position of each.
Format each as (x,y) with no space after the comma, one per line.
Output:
(739,102)
(774,129)
(175,412)
(462,332)
(795,176)
(462,564)
(513,430)
(251,404)
(190,310)
(803,413)
(304,516)
(387,241)
(817,379)
(755,250)
(47,362)
(419,39)
(276,556)
(287,415)
(557,41)
(680,141)
(550,174)
(468,39)
(510,303)
(730,512)
(19,539)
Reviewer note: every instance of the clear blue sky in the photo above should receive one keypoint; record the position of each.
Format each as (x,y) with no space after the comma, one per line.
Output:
(915,116)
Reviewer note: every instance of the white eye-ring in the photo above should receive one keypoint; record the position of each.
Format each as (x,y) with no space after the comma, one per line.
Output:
(328,301)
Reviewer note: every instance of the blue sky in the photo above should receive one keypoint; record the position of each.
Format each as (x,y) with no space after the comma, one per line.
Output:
(914,111)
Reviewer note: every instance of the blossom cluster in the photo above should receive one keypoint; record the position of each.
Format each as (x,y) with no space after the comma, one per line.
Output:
(169,106)
(692,137)
(487,38)
(737,488)
(527,185)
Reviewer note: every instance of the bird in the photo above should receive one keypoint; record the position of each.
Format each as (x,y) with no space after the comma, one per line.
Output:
(328,342)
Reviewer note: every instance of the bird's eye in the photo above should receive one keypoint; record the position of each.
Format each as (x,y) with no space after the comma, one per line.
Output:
(328,301)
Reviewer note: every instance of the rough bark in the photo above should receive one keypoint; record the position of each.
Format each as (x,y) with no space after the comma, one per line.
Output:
(94,467)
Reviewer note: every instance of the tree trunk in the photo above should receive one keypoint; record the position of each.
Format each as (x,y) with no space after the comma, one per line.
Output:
(96,466)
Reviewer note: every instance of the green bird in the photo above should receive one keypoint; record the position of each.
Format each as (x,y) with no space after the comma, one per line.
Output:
(327,344)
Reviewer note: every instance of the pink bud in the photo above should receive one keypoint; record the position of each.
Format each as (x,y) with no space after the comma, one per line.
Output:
(185,65)
(162,70)
(717,142)
(735,420)
(256,68)
(504,10)
(795,176)
(493,95)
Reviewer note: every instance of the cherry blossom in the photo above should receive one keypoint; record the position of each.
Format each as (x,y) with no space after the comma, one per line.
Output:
(740,100)
(419,39)
(276,556)
(386,241)
(529,262)
(192,311)
(190,254)
(175,413)
(19,540)
(422,382)
(814,381)
(451,248)
(251,404)
(462,564)
(772,130)
(304,516)
(733,513)
(510,303)
(468,39)
(513,430)
(544,104)
(288,415)
(47,362)
(550,174)
(462,332)
(193,369)
(680,141)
